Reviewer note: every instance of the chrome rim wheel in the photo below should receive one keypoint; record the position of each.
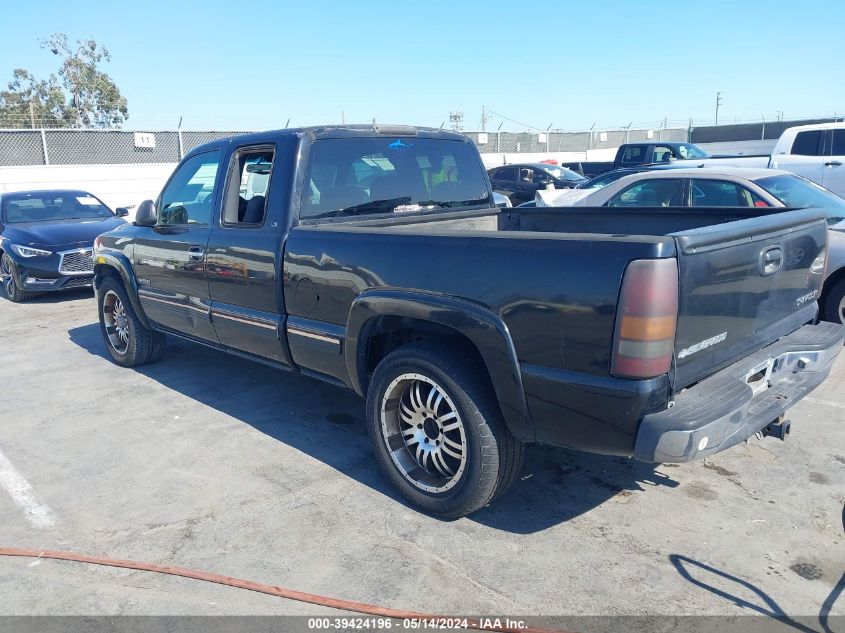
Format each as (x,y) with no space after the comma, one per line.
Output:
(841,311)
(116,322)
(6,275)
(423,433)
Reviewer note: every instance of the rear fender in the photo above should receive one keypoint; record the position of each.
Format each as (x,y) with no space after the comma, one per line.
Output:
(485,330)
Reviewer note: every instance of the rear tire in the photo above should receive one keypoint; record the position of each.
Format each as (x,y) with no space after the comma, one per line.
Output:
(130,344)
(7,274)
(437,430)
(834,303)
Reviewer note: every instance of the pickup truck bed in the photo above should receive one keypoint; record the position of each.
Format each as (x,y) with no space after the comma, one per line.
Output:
(562,340)
(473,330)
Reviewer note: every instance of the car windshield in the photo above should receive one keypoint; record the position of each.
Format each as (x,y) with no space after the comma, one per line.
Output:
(52,206)
(562,173)
(692,152)
(797,192)
(358,176)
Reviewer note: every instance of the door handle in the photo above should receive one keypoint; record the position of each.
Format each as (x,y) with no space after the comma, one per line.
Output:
(833,163)
(196,253)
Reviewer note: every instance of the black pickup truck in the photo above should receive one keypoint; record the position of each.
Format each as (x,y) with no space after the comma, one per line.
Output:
(641,154)
(374,258)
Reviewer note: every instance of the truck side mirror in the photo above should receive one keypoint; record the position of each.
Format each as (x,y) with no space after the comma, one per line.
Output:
(146,214)
(121,212)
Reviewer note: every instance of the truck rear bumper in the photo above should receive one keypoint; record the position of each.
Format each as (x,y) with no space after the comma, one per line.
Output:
(737,402)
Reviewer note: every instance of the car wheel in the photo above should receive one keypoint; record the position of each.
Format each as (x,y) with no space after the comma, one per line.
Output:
(130,344)
(7,276)
(437,430)
(834,303)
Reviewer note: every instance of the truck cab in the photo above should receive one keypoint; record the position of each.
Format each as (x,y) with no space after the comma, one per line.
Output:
(816,152)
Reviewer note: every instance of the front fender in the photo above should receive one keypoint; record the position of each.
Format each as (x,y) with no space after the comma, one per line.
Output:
(119,262)
(484,329)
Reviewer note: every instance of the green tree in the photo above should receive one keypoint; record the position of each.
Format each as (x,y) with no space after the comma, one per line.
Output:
(94,98)
(81,95)
(28,102)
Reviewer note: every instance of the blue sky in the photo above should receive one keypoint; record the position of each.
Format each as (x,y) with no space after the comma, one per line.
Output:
(252,65)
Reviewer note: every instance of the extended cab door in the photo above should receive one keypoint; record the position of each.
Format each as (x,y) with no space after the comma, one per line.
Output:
(245,250)
(833,169)
(170,256)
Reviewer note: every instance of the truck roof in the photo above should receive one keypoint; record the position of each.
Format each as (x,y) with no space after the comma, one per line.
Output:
(338,131)
(816,126)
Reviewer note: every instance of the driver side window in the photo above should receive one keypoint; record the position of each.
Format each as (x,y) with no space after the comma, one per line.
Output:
(188,197)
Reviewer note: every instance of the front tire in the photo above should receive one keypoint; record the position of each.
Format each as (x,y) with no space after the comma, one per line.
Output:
(7,275)
(130,344)
(437,430)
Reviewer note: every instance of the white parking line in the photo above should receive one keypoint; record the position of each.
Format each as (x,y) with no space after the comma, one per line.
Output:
(38,514)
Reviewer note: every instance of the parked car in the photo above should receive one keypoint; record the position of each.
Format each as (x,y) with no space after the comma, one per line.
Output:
(520,181)
(735,188)
(46,239)
(816,152)
(472,330)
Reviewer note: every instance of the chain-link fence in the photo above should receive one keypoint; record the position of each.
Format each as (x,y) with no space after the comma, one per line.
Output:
(87,147)
(93,147)
(537,142)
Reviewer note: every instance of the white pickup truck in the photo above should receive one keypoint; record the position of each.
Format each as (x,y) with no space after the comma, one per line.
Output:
(816,152)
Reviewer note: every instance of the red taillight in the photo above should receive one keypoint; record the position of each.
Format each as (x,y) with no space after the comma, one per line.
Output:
(761,204)
(646,319)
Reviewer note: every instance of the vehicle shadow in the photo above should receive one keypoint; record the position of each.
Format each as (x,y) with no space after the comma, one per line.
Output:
(327,423)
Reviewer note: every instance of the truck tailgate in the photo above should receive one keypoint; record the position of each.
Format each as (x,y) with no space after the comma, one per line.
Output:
(744,285)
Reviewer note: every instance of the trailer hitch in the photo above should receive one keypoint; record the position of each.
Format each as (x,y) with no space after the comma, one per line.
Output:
(777,428)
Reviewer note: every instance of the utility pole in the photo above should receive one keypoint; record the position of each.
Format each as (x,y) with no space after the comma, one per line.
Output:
(484,118)
(31,116)
(499,135)
(718,103)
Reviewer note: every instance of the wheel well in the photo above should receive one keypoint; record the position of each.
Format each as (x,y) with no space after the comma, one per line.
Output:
(104,270)
(386,334)
(829,283)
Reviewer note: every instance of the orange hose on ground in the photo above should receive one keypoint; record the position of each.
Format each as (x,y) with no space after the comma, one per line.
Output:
(281,592)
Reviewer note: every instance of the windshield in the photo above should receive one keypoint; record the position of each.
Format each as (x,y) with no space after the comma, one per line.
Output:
(797,192)
(562,173)
(691,151)
(357,176)
(52,206)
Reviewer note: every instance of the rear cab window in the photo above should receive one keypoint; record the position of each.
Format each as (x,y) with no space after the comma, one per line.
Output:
(838,143)
(389,175)
(807,143)
(634,154)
